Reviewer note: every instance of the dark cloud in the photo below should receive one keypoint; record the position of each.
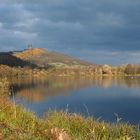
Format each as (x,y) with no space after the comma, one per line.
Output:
(76,27)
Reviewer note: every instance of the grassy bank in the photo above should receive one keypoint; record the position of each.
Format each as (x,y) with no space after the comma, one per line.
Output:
(16,123)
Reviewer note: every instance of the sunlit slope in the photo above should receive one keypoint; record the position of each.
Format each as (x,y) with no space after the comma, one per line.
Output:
(42,57)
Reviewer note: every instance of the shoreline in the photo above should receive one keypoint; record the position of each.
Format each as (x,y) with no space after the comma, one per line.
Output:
(18,123)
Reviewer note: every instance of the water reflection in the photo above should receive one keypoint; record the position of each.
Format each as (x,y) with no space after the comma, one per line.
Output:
(103,96)
(38,89)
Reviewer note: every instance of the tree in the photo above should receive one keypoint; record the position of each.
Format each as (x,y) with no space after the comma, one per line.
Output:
(129,69)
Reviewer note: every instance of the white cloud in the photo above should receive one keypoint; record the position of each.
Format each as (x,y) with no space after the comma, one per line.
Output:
(109,19)
(25,35)
(1,24)
(32,1)
(27,23)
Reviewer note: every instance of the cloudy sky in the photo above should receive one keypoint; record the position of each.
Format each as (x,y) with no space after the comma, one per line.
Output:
(99,31)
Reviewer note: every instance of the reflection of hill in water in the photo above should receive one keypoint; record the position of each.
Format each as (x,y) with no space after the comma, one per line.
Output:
(39,89)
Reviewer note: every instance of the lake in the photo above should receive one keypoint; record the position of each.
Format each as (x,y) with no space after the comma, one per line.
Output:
(100,97)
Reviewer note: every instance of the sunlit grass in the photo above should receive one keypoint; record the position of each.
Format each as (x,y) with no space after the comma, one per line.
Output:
(25,125)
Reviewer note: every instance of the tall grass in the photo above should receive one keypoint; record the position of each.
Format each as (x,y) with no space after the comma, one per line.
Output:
(26,126)
(4,85)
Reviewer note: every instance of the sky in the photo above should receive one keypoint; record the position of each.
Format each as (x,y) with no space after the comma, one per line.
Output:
(98,31)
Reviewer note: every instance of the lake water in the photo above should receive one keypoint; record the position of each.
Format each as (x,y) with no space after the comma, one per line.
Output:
(100,97)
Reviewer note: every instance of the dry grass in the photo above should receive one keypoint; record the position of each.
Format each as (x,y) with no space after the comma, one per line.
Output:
(26,126)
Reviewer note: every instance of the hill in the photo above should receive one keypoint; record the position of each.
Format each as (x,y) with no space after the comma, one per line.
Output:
(42,58)
(38,60)
(7,58)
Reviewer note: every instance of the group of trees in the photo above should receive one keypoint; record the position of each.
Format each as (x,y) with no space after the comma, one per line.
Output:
(133,69)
